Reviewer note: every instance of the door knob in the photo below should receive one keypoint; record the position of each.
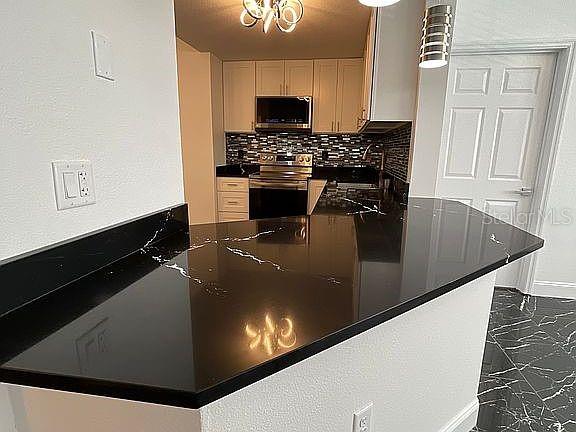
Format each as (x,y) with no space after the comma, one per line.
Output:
(524,191)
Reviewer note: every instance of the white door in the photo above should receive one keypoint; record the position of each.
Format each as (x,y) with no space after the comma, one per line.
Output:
(494,121)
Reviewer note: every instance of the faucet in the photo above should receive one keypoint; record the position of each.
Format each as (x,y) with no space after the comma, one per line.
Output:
(365,155)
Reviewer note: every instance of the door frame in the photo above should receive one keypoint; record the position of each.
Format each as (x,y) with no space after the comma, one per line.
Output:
(565,52)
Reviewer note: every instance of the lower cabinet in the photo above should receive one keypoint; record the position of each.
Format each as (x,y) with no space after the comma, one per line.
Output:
(233,199)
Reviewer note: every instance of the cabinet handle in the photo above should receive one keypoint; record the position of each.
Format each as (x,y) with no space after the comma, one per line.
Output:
(338,126)
(232,202)
(332,129)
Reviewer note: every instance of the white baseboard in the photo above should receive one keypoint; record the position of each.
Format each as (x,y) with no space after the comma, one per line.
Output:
(465,420)
(554,289)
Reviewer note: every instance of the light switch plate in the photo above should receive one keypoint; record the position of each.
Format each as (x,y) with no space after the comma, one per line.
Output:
(73,183)
(103,58)
(363,419)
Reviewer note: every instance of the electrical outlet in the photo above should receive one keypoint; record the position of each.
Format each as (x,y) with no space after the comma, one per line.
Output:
(73,184)
(363,419)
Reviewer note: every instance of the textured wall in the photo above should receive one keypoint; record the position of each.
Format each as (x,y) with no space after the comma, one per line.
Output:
(343,150)
(53,107)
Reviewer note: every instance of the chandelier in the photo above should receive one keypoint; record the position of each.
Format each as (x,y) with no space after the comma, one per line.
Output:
(284,13)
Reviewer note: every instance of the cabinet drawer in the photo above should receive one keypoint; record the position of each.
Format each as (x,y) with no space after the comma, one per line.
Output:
(232,216)
(232,184)
(233,202)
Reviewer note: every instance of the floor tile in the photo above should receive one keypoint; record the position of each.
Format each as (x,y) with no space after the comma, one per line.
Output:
(512,405)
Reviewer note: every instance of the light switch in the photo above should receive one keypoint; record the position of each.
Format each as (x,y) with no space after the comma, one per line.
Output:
(73,183)
(103,59)
(70,185)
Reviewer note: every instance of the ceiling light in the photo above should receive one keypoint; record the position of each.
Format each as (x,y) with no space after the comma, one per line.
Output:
(378,3)
(284,13)
(436,37)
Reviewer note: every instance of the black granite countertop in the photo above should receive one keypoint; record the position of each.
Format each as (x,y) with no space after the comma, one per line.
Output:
(344,174)
(197,315)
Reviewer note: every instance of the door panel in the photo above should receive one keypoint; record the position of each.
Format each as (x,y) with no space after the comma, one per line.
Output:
(494,123)
(513,127)
(464,142)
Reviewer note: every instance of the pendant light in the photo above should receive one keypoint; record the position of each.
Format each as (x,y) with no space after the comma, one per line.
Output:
(378,3)
(436,37)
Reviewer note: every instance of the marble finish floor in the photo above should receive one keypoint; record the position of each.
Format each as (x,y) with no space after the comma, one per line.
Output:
(528,380)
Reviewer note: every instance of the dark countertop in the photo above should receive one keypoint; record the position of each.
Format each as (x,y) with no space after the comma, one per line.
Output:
(196,316)
(340,174)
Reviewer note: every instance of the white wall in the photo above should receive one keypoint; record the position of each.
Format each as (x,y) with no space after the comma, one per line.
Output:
(489,21)
(53,107)
(6,413)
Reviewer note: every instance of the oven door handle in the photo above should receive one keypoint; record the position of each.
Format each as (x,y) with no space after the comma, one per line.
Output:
(263,184)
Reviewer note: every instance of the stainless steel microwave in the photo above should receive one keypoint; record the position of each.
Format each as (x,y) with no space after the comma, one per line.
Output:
(284,113)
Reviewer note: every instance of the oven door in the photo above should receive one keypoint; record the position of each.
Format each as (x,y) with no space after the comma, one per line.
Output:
(277,198)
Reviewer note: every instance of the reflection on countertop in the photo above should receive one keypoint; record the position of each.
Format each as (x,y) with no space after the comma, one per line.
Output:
(197,316)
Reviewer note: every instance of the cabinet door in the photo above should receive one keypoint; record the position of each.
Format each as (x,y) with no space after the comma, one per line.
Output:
(239,96)
(270,78)
(350,77)
(368,69)
(324,98)
(299,75)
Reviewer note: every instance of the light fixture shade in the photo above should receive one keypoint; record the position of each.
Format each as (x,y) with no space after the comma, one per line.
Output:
(378,3)
(436,37)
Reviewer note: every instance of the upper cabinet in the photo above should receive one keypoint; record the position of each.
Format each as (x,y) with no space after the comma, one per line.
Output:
(349,100)
(325,95)
(368,70)
(299,77)
(391,79)
(337,95)
(284,78)
(270,78)
(239,96)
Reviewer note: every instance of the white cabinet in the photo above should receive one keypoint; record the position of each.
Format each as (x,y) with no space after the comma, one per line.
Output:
(233,199)
(239,96)
(337,95)
(270,78)
(368,70)
(349,98)
(284,78)
(325,95)
(394,72)
(299,77)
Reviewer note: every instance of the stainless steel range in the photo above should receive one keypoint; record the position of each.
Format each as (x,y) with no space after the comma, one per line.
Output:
(281,186)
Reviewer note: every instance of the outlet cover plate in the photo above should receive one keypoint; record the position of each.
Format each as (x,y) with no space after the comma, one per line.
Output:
(73,183)
(363,419)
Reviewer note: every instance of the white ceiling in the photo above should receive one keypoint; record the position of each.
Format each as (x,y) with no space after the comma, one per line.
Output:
(329,28)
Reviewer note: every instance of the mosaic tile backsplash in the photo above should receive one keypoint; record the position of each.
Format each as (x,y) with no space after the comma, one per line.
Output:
(338,150)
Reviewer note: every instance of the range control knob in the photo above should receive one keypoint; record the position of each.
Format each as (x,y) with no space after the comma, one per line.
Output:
(307,158)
